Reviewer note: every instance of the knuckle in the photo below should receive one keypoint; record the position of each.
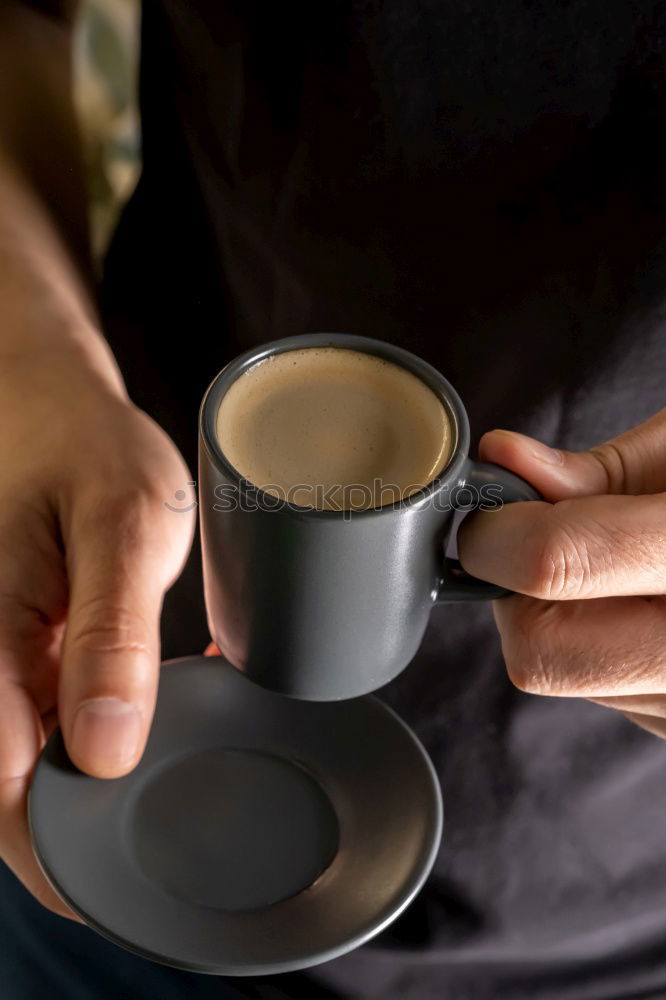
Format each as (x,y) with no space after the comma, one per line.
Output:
(130,501)
(614,463)
(560,561)
(529,652)
(131,513)
(106,627)
(527,674)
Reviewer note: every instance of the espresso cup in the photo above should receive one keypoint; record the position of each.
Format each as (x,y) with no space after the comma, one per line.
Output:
(327,604)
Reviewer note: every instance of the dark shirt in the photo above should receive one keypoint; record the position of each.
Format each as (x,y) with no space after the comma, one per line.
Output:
(481,183)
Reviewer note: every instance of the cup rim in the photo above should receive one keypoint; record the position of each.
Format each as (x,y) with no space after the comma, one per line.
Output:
(390,352)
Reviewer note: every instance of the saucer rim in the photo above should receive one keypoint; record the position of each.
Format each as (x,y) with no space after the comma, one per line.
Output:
(366,934)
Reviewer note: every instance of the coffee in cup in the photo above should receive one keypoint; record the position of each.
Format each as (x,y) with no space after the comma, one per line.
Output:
(334,429)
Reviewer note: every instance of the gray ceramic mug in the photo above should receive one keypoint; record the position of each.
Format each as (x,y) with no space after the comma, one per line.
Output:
(322,604)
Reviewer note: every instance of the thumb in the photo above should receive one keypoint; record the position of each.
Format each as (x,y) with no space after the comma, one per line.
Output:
(602,535)
(121,559)
(633,463)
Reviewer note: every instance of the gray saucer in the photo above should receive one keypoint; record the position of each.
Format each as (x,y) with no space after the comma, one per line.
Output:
(258,834)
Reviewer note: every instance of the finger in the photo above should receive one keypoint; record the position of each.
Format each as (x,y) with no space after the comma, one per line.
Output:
(122,555)
(606,648)
(638,704)
(633,463)
(598,546)
(652,725)
(21,740)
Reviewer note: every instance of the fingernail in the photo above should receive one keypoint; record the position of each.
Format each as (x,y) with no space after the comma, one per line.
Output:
(539,450)
(106,733)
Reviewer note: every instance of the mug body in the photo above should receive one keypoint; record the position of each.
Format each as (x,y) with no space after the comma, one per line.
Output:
(321,604)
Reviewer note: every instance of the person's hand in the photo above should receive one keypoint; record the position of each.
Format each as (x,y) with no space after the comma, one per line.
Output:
(87,550)
(593,564)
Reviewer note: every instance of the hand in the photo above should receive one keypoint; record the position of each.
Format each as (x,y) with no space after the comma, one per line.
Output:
(592,563)
(88,550)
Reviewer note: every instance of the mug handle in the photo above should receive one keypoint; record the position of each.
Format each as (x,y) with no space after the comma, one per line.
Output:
(454,583)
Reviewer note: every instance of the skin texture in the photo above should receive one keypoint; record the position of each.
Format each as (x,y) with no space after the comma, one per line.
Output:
(88,546)
(88,550)
(591,563)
